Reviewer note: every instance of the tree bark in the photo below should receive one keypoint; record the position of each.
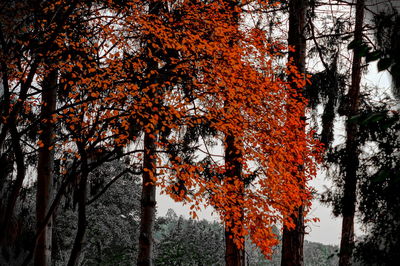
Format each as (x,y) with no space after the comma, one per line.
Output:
(292,240)
(351,161)
(82,198)
(148,201)
(234,256)
(7,207)
(45,170)
(148,197)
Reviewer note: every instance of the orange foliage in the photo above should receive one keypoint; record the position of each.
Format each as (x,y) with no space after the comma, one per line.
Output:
(123,69)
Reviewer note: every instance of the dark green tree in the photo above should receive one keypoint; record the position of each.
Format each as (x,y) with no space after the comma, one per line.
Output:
(379,198)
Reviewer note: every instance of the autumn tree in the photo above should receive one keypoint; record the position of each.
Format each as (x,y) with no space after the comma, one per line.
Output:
(49,46)
(292,239)
(234,253)
(127,74)
(25,41)
(148,199)
(160,69)
(249,121)
(14,87)
(46,168)
(45,165)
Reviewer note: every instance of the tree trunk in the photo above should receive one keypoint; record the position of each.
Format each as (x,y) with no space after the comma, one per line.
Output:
(148,197)
(82,198)
(234,256)
(351,158)
(45,169)
(292,240)
(148,201)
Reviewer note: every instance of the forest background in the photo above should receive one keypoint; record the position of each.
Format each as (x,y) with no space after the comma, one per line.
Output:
(231,105)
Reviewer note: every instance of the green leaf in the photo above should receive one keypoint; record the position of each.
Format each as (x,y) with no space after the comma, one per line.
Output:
(362,50)
(384,64)
(354,44)
(374,117)
(395,69)
(355,119)
(373,56)
(380,176)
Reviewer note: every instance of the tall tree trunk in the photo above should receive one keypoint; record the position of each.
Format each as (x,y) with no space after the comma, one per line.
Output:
(45,169)
(148,201)
(148,197)
(352,151)
(292,240)
(234,256)
(82,199)
(82,222)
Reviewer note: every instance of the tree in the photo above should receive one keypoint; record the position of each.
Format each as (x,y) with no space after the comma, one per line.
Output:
(292,239)
(148,199)
(234,253)
(61,48)
(379,164)
(45,169)
(181,241)
(378,199)
(351,162)
(26,48)
(257,122)
(112,214)
(155,76)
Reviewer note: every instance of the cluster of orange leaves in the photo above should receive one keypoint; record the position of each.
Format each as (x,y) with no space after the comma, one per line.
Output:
(122,67)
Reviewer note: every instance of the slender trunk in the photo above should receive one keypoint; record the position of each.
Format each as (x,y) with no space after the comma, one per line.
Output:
(49,214)
(351,162)
(148,202)
(292,240)
(82,223)
(45,170)
(234,256)
(7,207)
(6,217)
(148,197)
